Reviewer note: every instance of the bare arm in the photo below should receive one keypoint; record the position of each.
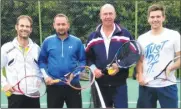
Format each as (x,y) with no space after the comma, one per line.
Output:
(175,66)
(139,71)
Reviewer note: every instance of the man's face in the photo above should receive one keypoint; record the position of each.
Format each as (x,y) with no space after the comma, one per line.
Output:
(107,16)
(23,28)
(156,19)
(61,25)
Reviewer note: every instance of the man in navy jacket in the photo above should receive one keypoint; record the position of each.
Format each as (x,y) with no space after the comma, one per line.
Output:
(101,48)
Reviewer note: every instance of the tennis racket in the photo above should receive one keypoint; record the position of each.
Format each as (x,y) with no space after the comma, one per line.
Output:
(32,86)
(126,56)
(82,78)
(164,77)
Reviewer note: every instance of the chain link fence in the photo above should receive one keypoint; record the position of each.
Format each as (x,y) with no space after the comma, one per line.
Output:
(83,15)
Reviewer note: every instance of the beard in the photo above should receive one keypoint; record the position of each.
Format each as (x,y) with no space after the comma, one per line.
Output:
(24,35)
(61,33)
(25,38)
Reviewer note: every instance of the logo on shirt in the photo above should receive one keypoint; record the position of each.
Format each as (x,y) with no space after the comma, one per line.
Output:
(70,47)
(152,54)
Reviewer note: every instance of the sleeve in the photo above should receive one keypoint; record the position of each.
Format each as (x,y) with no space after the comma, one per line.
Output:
(177,42)
(130,36)
(3,64)
(140,44)
(42,73)
(43,59)
(82,57)
(90,56)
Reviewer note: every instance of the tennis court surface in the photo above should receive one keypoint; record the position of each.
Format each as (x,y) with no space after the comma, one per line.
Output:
(132,96)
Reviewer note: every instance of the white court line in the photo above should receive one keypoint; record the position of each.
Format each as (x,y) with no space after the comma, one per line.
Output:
(44,104)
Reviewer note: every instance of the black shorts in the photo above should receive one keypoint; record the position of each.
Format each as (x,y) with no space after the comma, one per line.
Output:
(58,94)
(22,101)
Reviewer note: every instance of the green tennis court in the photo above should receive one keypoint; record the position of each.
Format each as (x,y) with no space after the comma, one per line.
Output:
(132,96)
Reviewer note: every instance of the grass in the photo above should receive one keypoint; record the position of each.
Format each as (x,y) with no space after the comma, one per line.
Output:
(131,70)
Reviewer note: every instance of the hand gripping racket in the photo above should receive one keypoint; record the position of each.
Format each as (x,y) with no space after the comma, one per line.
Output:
(83,78)
(32,86)
(164,77)
(126,56)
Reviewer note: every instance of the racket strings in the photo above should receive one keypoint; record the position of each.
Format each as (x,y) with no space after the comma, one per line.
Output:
(121,53)
(32,86)
(170,63)
(129,54)
(85,79)
(85,74)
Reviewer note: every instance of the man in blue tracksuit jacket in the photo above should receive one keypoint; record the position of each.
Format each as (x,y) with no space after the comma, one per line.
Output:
(60,54)
(101,48)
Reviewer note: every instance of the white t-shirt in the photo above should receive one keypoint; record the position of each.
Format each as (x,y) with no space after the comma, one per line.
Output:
(158,51)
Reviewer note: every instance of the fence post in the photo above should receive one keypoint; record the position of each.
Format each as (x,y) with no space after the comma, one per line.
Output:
(136,19)
(39,17)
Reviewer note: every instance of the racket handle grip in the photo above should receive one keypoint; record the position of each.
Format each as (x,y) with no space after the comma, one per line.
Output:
(56,81)
(110,71)
(8,93)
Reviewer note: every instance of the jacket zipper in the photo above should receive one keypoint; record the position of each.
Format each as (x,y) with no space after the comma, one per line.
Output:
(62,49)
(24,65)
(24,60)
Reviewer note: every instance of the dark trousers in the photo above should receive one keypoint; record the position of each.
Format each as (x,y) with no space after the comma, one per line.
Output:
(167,97)
(22,101)
(57,94)
(115,96)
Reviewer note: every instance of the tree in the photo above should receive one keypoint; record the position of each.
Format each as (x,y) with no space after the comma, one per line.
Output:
(83,15)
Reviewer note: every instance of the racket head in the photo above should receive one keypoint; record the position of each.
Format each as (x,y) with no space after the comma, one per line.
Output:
(128,54)
(164,77)
(86,78)
(32,86)
(175,59)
